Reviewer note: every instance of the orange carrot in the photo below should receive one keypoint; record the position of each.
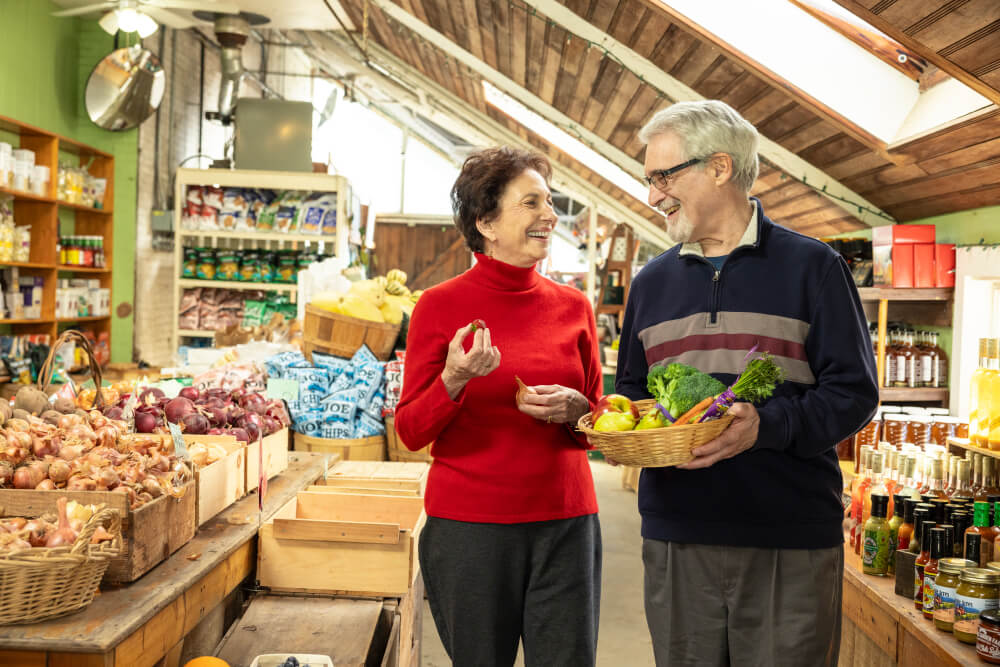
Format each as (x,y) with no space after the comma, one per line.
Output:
(693,412)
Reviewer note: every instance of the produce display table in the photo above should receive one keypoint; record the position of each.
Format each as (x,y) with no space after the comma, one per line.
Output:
(138,624)
(881,628)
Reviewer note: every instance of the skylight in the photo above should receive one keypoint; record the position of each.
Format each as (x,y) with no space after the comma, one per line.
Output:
(830,67)
(564,141)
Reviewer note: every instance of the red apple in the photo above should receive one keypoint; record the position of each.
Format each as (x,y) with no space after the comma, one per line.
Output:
(615,403)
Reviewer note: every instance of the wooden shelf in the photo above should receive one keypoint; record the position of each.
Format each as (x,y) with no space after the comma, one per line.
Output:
(81,269)
(25,195)
(906,294)
(889,394)
(257,236)
(195,333)
(28,265)
(41,320)
(232,284)
(89,318)
(966,444)
(81,207)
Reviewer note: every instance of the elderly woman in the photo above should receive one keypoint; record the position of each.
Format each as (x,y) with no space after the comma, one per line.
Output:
(512,546)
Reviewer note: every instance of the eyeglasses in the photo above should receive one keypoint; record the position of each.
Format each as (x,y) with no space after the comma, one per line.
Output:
(661,178)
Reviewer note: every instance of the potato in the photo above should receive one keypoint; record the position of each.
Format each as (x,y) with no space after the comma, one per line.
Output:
(22,414)
(64,405)
(52,417)
(31,399)
(6,412)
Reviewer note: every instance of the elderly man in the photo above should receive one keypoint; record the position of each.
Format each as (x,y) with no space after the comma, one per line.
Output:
(743,546)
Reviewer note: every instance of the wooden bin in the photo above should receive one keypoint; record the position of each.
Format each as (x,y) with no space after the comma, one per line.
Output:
(377,477)
(275,457)
(222,483)
(149,533)
(397,451)
(359,449)
(341,335)
(342,544)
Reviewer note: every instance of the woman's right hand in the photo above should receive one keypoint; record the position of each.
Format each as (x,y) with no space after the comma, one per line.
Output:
(461,366)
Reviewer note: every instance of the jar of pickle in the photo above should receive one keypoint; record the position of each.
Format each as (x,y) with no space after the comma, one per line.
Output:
(978,591)
(896,429)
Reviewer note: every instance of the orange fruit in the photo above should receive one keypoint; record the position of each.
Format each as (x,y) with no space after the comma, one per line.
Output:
(206,661)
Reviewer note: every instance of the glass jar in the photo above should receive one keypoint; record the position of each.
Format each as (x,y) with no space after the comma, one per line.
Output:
(920,429)
(945,585)
(942,428)
(896,429)
(868,435)
(988,638)
(978,591)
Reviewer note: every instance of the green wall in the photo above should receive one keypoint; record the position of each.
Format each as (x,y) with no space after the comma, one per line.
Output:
(44,65)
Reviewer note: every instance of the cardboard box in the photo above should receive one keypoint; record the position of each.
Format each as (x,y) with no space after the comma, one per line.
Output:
(893,265)
(903,234)
(944,265)
(923,265)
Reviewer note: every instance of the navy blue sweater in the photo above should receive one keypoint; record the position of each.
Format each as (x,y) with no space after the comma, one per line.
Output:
(792,296)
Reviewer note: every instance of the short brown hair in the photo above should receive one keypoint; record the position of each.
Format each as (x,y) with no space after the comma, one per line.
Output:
(484,177)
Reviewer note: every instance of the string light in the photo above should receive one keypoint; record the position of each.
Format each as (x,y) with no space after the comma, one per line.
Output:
(403,32)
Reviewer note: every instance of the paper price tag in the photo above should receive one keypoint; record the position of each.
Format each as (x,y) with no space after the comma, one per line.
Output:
(283,388)
(180,449)
(128,412)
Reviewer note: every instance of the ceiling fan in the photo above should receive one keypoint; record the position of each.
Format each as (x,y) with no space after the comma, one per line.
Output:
(142,16)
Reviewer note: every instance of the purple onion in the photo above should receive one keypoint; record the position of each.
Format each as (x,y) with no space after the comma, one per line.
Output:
(195,423)
(144,422)
(190,393)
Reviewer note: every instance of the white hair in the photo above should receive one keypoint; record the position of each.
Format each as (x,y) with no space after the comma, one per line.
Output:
(707,127)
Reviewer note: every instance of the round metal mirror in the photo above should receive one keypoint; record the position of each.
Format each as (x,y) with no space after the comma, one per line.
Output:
(125,88)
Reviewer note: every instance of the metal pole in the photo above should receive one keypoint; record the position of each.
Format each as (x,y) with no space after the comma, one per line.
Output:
(592,254)
(402,170)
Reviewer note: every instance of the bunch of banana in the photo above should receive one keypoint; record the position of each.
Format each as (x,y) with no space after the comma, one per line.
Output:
(380,299)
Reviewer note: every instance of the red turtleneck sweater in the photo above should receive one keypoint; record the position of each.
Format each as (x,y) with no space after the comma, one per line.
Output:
(493,463)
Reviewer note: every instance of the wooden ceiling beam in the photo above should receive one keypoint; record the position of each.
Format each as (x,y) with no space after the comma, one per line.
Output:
(677,91)
(461,118)
(925,52)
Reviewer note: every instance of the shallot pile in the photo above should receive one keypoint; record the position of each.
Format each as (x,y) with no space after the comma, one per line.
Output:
(244,415)
(92,453)
(47,531)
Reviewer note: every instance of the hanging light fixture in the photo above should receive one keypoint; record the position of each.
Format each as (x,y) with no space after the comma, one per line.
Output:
(128,20)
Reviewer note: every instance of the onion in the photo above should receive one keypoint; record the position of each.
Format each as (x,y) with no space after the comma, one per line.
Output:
(213,403)
(15,424)
(152,487)
(270,425)
(195,423)
(177,408)
(216,416)
(64,534)
(59,471)
(276,410)
(71,452)
(43,447)
(6,473)
(144,422)
(107,436)
(81,483)
(27,477)
(37,529)
(215,430)
(69,421)
(46,485)
(151,395)
(114,412)
(190,393)
(107,478)
(239,433)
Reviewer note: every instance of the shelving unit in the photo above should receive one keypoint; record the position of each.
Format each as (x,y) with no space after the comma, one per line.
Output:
(270,180)
(926,306)
(41,214)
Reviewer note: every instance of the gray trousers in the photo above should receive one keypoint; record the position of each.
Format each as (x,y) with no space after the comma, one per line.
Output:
(491,585)
(714,605)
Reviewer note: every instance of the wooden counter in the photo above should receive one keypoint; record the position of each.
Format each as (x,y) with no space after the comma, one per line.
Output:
(881,628)
(138,624)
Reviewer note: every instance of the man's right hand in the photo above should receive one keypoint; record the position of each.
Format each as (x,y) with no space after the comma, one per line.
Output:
(482,359)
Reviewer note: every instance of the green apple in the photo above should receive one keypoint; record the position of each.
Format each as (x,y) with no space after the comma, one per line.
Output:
(615,421)
(615,403)
(652,419)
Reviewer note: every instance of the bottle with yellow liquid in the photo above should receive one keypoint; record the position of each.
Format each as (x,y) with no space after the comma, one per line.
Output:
(992,386)
(977,397)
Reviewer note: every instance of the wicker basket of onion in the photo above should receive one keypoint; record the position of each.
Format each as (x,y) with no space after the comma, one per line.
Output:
(52,566)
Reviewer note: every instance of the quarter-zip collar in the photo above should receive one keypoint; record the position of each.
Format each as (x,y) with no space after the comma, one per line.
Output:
(502,276)
(750,238)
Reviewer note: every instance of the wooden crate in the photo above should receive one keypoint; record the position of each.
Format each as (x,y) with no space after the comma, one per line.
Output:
(363,449)
(149,533)
(341,335)
(397,450)
(222,483)
(379,476)
(275,457)
(342,544)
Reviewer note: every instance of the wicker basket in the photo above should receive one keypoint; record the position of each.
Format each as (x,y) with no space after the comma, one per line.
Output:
(357,449)
(37,584)
(398,451)
(340,335)
(655,447)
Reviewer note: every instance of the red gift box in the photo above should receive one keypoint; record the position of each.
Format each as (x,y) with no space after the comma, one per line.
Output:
(895,255)
(944,265)
(923,265)
(903,234)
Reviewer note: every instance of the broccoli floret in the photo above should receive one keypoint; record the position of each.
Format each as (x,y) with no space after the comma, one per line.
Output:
(659,378)
(685,392)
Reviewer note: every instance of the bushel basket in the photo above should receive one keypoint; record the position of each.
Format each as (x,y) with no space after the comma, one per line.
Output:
(42,583)
(655,447)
